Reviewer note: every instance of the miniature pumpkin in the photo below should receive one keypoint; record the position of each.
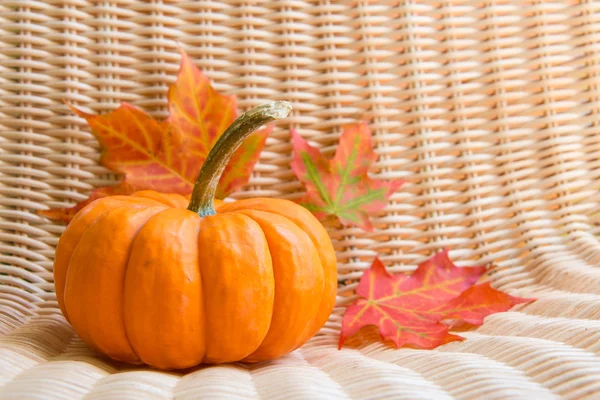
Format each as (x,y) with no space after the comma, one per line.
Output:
(142,278)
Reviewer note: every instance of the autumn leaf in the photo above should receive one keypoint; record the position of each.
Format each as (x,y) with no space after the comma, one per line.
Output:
(341,186)
(417,309)
(166,156)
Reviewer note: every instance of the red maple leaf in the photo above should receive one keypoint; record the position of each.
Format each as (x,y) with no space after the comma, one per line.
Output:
(417,309)
(341,186)
(166,156)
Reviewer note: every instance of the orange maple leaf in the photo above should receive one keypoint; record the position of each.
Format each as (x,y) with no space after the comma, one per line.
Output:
(417,309)
(166,156)
(340,186)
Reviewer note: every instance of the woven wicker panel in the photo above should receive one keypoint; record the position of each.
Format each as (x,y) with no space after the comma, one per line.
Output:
(489,109)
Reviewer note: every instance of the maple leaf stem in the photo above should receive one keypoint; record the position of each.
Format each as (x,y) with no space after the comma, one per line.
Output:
(210,173)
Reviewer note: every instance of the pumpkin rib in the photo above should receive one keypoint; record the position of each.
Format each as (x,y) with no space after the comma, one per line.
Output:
(308,223)
(298,288)
(132,240)
(173,271)
(96,301)
(61,269)
(314,321)
(238,285)
(68,277)
(315,244)
(60,277)
(203,312)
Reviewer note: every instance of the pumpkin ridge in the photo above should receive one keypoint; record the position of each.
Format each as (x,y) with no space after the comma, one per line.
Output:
(204,321)
(148,267)
(314,320)
(162,208)
(272,206)
(267,351)
(103,289)
(124,321)
(215,281)
(66,273)
(202,292)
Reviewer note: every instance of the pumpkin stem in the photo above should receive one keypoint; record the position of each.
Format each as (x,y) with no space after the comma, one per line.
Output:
(210,173)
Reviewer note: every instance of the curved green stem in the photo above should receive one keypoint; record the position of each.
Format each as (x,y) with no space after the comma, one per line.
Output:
(210,174)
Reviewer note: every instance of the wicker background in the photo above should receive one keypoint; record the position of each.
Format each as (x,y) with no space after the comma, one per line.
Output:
(489,109)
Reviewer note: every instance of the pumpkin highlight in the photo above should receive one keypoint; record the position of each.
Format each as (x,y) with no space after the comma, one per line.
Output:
(148,278)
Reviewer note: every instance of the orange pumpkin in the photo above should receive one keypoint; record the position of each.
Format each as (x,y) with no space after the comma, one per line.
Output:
(143,279)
